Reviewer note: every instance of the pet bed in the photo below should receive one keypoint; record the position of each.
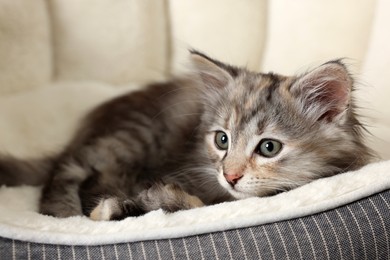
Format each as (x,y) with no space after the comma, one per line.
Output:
(342,217)
(61,58)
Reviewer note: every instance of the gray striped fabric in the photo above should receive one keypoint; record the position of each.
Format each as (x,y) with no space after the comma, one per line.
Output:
(359,230)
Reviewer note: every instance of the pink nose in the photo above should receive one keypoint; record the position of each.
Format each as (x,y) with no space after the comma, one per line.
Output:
(232,179)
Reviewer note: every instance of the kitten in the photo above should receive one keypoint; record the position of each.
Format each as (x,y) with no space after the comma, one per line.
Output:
(224,133)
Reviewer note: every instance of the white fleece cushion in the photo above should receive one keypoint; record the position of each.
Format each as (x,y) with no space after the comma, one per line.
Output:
(306,32)
(113,41)
(19,220)
(25,45)
(229,30)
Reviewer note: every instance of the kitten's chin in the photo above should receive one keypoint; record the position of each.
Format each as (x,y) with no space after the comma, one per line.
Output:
(239,195)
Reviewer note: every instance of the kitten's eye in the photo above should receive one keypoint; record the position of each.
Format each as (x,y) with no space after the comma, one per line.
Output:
(269,148)
(221,140)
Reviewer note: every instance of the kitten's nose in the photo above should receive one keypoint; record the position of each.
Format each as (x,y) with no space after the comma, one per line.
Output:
(232,179)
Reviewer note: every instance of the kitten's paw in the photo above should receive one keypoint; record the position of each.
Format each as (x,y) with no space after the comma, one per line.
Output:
(176,199)
(59,209)
(169,197)
(115,209)
(105,210)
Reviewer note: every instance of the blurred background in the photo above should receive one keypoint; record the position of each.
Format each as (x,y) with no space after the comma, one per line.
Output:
(60,58)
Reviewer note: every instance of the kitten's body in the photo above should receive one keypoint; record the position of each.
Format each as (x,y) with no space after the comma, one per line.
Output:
(130,143)
(190,142)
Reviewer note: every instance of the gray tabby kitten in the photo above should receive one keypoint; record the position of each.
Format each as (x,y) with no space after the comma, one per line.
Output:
(225,133)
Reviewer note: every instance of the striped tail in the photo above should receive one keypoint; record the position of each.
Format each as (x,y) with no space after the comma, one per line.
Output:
(15,171)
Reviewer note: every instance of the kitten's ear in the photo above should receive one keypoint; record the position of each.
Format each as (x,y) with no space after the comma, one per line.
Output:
(212,72)
(325,92)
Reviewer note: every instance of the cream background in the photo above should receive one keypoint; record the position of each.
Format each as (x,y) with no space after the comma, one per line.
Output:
(60,58)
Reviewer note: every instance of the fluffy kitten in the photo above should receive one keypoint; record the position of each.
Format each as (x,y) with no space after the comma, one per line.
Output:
(225,133)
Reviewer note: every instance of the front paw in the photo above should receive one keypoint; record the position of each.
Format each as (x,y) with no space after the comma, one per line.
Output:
(59,208)
(115,208)
(105,209)
(169,197)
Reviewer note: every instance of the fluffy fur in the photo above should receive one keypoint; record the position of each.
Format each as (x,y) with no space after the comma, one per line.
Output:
(226,134)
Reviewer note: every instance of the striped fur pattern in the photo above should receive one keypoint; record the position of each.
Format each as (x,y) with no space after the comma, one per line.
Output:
(221,134)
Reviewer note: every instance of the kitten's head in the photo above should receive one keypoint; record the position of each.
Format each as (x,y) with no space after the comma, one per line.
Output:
(267,133)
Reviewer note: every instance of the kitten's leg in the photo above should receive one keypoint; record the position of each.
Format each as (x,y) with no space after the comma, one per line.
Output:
(169,197)
(60,198)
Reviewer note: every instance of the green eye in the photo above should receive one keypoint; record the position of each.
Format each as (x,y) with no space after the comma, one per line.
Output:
(221,140)
(269,148)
